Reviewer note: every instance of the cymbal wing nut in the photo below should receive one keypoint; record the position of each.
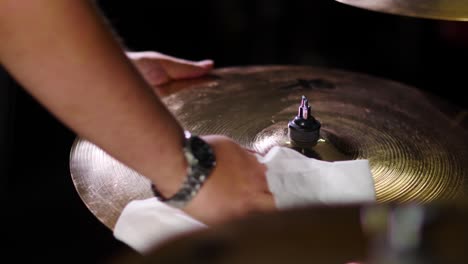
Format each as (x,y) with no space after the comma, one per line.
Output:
(304,129)
(304,133)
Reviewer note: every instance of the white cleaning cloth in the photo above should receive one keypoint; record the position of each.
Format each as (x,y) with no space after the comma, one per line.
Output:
(294,180)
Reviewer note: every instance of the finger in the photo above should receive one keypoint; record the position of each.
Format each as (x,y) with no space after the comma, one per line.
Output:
(182,69)
(265,202)
(153,72)
(252,151)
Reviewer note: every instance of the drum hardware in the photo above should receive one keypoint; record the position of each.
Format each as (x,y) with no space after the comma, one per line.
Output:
(304,129)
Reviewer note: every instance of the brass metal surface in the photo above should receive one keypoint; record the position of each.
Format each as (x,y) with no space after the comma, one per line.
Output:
(317,235)
(435,9)
(332,234)
(416,144)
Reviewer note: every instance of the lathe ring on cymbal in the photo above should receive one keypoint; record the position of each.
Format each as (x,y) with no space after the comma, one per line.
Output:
(417,150)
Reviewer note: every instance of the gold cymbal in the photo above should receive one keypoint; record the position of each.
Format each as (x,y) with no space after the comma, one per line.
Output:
(415,144)
(332,234)
(435,9)
(315,234)
(319,234)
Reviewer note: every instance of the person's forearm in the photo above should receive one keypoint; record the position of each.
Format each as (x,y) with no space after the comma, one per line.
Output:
(65,56)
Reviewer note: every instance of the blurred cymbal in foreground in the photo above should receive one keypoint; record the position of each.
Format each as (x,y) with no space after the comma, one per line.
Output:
(411,234)
(435,9)
(312,235)
(415,143)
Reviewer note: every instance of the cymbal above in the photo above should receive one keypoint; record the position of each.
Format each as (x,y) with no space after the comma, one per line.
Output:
(416,144)
(434,9)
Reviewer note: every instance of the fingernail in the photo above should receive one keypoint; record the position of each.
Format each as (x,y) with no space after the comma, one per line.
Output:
(205,63)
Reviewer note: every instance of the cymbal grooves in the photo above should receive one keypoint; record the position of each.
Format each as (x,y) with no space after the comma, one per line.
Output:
(383,121)
(415,151)
(98,178)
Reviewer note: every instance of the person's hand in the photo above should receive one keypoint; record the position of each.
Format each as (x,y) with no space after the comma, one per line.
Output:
(158,68)
(236,187)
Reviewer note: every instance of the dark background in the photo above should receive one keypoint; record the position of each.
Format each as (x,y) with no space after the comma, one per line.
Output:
(48,218)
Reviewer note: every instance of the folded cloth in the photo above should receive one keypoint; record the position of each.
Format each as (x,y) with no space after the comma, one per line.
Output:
(294,179)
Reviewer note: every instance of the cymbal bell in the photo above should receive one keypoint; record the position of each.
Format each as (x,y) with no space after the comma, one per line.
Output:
(435,9)
(416,145)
